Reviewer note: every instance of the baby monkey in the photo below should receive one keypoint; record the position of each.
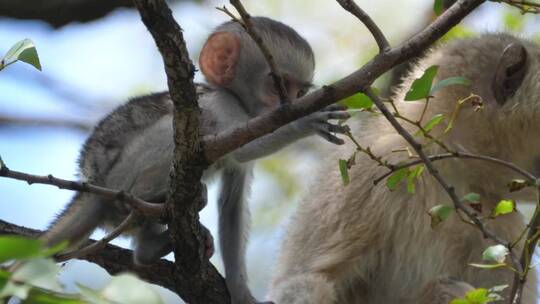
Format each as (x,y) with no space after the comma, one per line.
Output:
(366,244)
(132,148)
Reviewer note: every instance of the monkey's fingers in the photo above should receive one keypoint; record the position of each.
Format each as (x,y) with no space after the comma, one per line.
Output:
(341,115)
(330,137)
(335,108)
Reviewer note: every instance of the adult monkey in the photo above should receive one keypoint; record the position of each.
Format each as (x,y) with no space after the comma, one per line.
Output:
(132,148)
(366,244)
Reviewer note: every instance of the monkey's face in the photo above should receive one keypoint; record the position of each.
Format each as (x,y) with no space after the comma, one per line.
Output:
(508,125)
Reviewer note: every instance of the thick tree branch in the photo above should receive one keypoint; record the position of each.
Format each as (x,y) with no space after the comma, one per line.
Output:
(60,12)
(141,206)
(197,281)
(228,140)
(112,258)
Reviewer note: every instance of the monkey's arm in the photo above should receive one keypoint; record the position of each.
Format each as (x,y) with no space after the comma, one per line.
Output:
(316,123)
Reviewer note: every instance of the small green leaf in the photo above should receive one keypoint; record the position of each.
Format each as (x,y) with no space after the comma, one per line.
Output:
(479,295)
(24,51)
(139,291)
(344,172)
(16,247)
(496,253)
(358,101)
(438,7)
(471,197)
(421,87)
(517,184)
(435,120)
(414,174)
(439,213)
(396,177)
(504,207)
(47,252)
(488,266)
(40,273)
(448,82)
(38,296)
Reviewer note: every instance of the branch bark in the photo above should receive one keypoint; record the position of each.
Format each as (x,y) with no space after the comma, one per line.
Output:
(58,13)
(197,281)
(112,258)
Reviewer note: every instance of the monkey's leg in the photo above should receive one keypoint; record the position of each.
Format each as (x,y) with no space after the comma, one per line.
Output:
(443,290)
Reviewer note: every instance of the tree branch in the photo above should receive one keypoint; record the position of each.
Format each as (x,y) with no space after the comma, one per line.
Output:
(218,145)
(469,212)
(112,258)
(530,177)
(141,206)
(376,32)
(126,223)
(60,12)
(197,281)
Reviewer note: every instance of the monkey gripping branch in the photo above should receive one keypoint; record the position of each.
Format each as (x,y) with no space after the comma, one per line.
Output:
(194,278)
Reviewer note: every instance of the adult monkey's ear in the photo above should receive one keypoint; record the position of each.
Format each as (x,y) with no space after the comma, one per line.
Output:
(510,72)
(219,57)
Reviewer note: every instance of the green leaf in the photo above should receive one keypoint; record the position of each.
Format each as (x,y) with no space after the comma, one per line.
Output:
(396,178)
(478,296)
(471,197)
(496,253)
(358,101)
(16,247)
(47,252)
(139,291)
(24,51)
(18,290)
(414,174)
(435,120)
(504,207)
(421,87)
(37,296)
(4,277)
(344,172)
(39,272)
(91,295)
(438,7)
(439,213)
(488,266)
(448,82)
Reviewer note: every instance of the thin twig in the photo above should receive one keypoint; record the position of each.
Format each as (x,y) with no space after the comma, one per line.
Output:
(353,8)
(524,5)
(458,204)
(143,207)
(530,177)
(94,247)
(252,32)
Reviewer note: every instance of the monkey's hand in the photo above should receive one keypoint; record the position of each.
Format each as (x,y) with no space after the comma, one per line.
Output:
(318,123)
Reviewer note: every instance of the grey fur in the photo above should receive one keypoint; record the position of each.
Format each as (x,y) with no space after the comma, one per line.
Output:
(132,148)
(366,244)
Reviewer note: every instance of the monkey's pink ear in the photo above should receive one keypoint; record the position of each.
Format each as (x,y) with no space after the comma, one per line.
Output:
(510,72)
(219,57)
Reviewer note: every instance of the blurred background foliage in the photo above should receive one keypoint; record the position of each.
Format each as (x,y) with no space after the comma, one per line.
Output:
(91,67)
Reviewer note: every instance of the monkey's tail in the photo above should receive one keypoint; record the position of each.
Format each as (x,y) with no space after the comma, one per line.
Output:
(84,213)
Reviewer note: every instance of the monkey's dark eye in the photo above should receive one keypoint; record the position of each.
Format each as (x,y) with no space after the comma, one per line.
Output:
(301,93)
